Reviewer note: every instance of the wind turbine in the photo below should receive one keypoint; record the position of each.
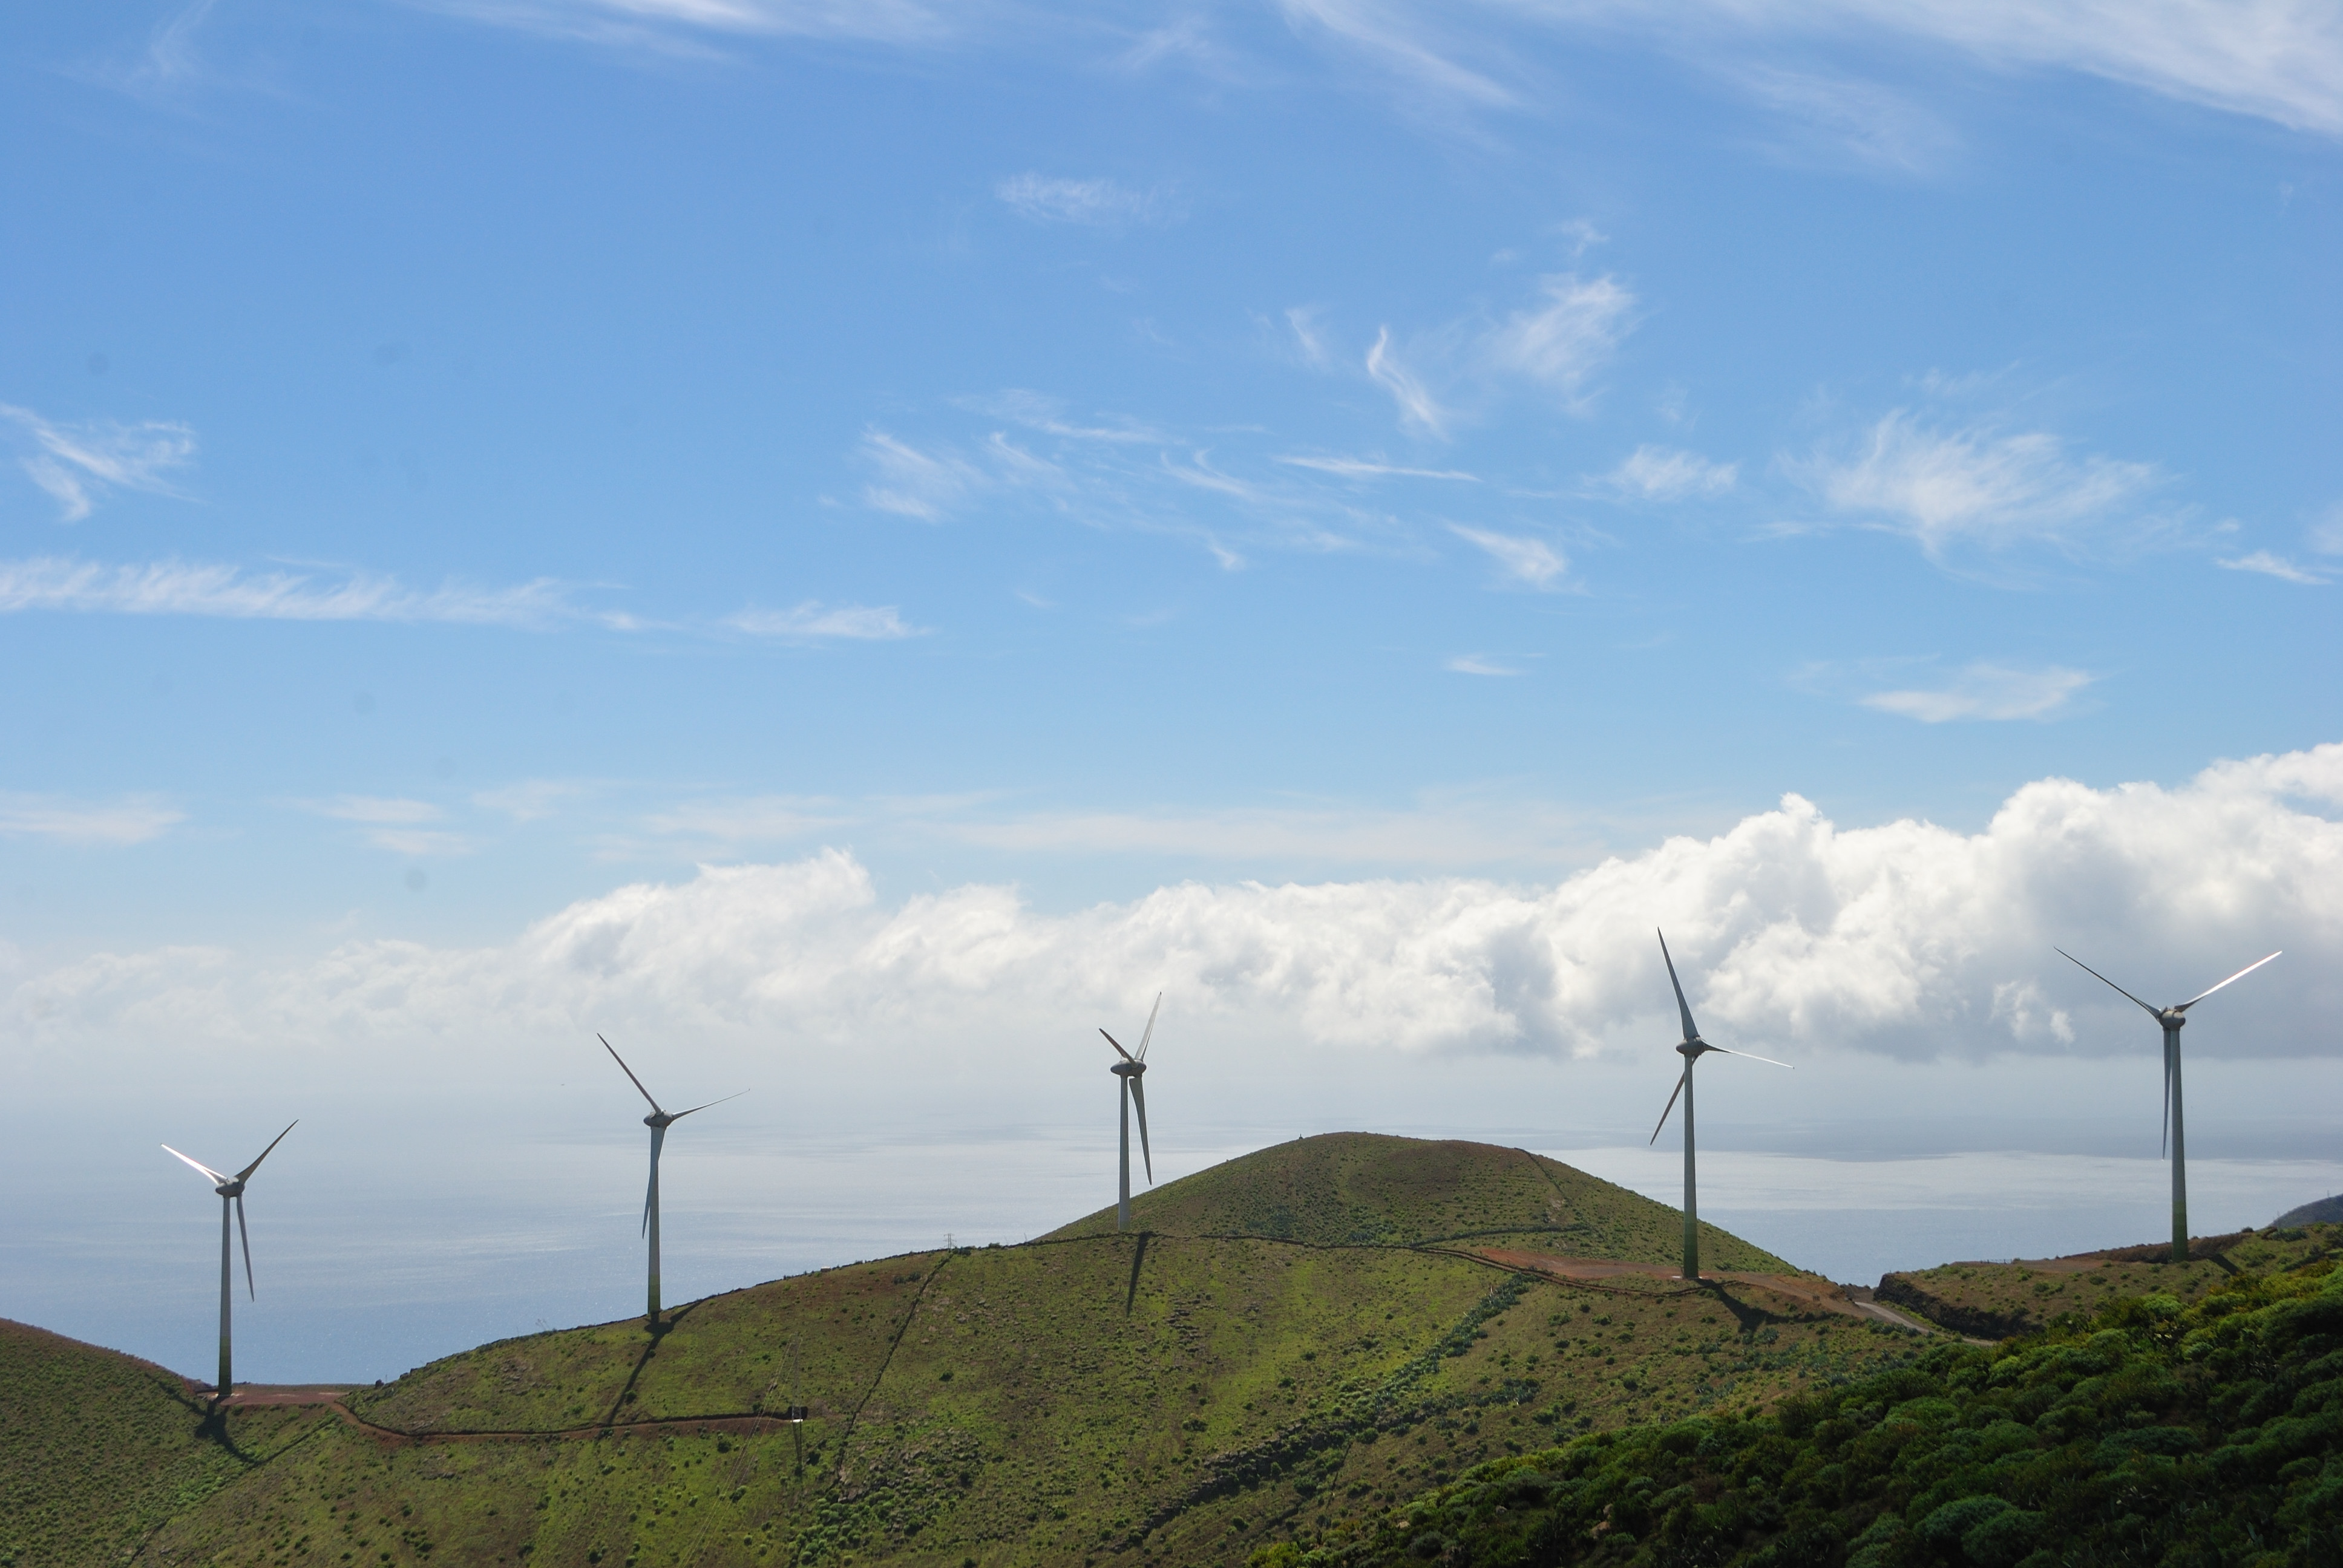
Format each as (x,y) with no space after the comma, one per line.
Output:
(658,1121)
(2171,1018)
(1693,1049)
(1132,1069)
(231,1192)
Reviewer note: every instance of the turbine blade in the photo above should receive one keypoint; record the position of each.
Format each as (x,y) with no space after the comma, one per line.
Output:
(250,1288)
(1118,1048)
(1748,1056)
(1691,1030)
(1671,1102)
(630,1073)
(682,1114)
(2242,974)
(217,1180)
(2111,985)
(265,1153)
(1150,1026)
(1139,1098)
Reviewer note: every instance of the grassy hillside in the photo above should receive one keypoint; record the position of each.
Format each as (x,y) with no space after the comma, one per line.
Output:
(1169,1398)
(2146,1431)
(1350,1189)
(1999,1300)
(97,1449)
(1086,1400)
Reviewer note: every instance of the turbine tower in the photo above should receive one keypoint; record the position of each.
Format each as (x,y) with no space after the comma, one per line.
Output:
(231,1192)
(1132,1069)
(2171,1018)
(1693,1049)
(658,1121)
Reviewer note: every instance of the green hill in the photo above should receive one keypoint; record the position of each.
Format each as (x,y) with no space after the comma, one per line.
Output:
(1147,1399)
(2142,1432)
(1367,1189)
(97,1449)
(2001,1301)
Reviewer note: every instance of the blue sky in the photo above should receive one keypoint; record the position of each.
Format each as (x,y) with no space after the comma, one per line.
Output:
(999,483)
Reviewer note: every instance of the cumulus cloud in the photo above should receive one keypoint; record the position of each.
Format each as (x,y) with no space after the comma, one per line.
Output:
(1525,560)
(1663,474)
(79,465)
(1981,486)
(1092,203)
(1986,691)
(1905,937)
(133,819)
(178,588)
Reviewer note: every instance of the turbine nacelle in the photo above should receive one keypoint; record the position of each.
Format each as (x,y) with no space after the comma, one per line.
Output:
(1127,1069)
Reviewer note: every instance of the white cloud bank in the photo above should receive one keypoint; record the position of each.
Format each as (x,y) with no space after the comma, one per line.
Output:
(1905,939)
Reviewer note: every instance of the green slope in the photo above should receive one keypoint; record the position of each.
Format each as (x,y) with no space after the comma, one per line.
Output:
(97,1449)
(1350,1189)
(2000,1300)
(1083,1401)
(2146,1431)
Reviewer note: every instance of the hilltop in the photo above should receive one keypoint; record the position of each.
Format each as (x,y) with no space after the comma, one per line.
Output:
(1368,1189)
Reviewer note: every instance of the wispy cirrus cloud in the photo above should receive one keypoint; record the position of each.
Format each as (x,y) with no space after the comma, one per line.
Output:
(814,621)
(1982,486)
(2273,566)
(912,483)
(1097,203)
(1476,664)
(1525,560)
(2279,60)
(1987,691)
(1664,474)
(395,823)
(1417,407)
(80,464)
(675,25)
(127,820)
(1375,468)
(1836,120)
(178,588)
(1566,336)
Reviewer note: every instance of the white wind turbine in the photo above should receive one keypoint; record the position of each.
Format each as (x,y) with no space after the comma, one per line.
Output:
(1693,1049)
(2172,1018)
(231,1192)
(1132,1070)
(658,1121)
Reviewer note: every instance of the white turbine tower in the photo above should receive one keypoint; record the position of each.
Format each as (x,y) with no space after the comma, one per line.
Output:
(231,1192)
(1693,1049)
(2172,1018)
(658,1121)
(1132,1070)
